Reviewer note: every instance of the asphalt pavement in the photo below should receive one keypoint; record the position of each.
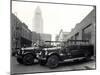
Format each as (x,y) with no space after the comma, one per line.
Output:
(17,68)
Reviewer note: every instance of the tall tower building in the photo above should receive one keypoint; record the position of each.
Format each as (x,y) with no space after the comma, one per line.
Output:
(38,21)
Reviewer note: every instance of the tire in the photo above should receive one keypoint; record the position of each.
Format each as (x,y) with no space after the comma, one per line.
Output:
(20,60)
(28,59)
(53,61)
(41,62)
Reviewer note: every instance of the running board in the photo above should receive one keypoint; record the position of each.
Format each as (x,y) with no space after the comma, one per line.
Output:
(74,59)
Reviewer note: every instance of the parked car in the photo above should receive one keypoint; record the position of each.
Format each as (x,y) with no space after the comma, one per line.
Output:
(27,55)
(52,56)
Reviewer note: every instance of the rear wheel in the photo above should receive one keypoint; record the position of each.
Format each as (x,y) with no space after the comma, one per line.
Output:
(28,59)
(53,61)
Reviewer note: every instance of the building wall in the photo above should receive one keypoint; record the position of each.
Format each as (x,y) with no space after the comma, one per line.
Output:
(87,25)
(20,34)
(40,38)
(34,37)
(25,32)
(62,36)
(15,33)
(45,37)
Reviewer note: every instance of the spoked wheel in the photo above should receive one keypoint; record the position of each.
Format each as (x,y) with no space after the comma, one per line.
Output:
(28,59)
(53,61)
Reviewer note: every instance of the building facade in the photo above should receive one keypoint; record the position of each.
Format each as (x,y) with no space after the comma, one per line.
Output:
(85,30)
(62,36)
(40,38)
(21,36)
(35,37)
(26,36)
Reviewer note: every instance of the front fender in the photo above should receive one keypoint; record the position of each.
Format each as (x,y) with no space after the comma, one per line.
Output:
(53,53)
(29,53)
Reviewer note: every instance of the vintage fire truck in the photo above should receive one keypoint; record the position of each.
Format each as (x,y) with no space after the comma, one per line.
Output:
(53,55)
(27,55)
(56,52)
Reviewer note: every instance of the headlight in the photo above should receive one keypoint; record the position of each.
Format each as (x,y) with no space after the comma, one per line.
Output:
(46,52)
(22,51)
(61,54)
(22,48)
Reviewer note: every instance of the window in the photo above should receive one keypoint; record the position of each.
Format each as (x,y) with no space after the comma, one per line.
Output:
(86,33)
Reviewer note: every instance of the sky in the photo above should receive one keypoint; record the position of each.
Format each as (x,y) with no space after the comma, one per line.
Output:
(55,16)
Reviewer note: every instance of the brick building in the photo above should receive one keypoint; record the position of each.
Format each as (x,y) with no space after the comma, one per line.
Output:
(21,36)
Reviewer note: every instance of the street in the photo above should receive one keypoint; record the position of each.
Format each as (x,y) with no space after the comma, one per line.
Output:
(66,66)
